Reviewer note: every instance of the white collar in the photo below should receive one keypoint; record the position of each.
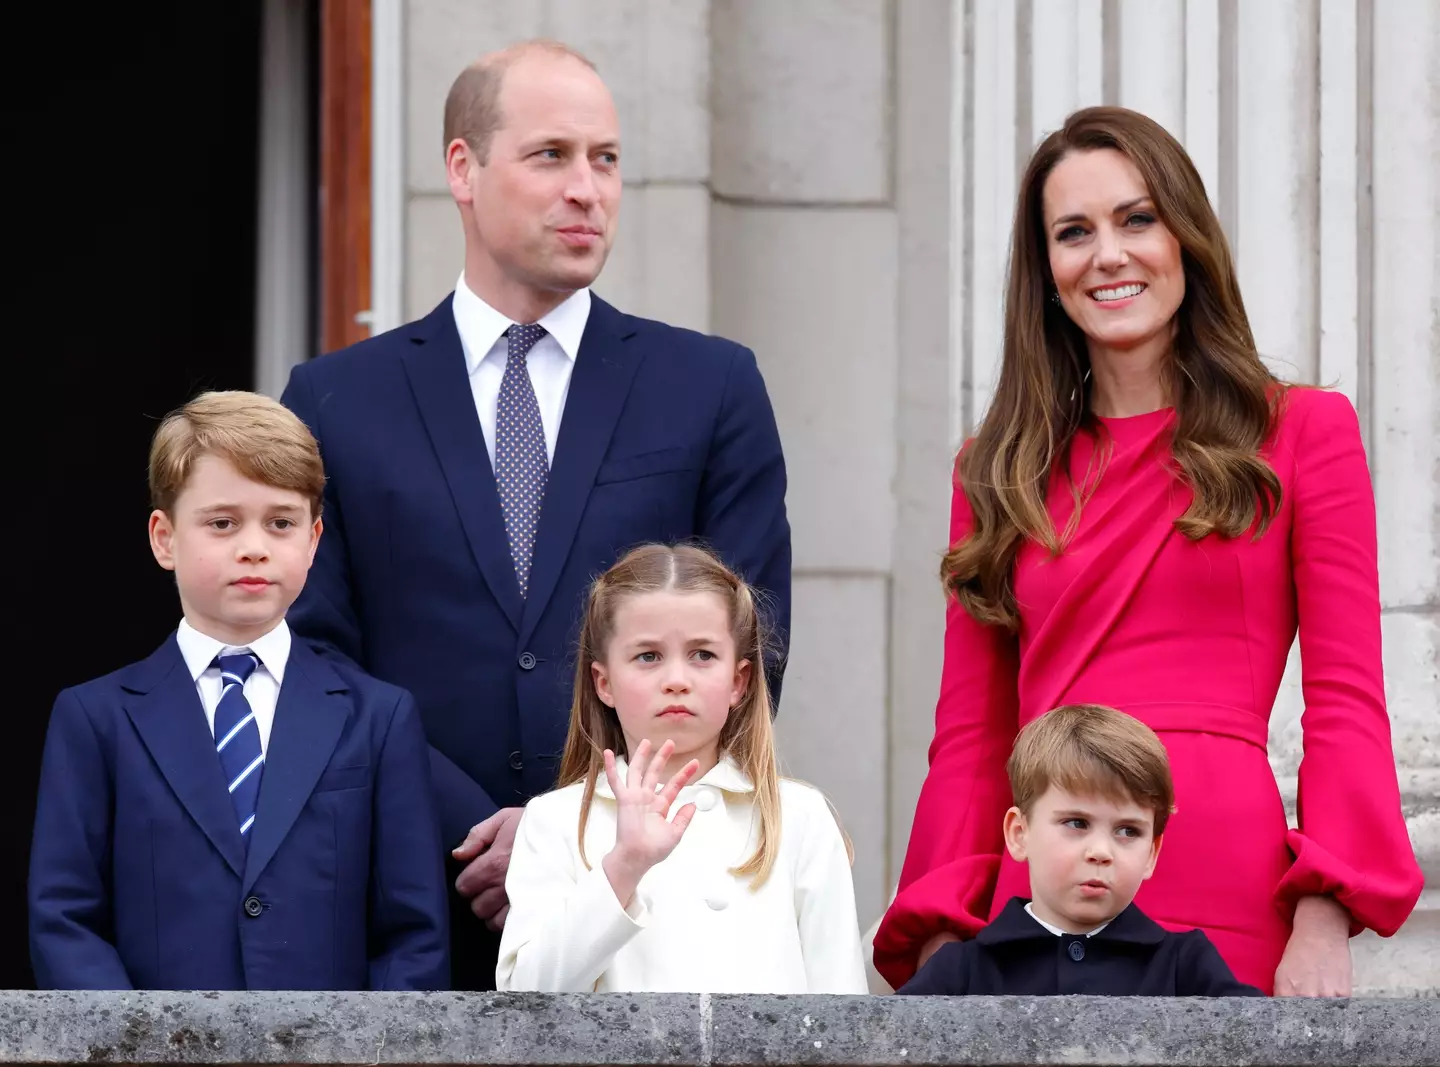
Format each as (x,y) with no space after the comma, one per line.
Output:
(199,650)
(480,325)
(725,775)
(1063,933)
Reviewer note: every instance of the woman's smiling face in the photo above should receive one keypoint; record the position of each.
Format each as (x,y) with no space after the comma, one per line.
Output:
(1117,267)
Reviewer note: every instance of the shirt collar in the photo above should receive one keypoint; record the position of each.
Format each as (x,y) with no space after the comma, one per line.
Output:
(1030,911)
(725,775)
(480,325)
(199,650)
(1015,923)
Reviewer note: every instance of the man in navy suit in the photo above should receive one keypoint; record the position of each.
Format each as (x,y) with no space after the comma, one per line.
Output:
(236,812)
(487,461)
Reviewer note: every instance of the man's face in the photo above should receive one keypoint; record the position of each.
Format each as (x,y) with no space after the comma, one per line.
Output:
(543,205)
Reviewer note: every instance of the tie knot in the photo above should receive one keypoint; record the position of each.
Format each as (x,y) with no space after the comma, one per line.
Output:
(523,338)
(238,665)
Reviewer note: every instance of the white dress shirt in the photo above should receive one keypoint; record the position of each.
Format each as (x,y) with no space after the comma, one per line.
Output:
(692,925)
(1059,932)
(550,362)
(262,688)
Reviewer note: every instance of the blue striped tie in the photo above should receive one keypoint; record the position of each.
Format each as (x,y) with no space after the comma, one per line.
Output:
(237,738)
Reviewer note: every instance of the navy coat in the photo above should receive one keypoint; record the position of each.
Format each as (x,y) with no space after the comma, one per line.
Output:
(1133,956)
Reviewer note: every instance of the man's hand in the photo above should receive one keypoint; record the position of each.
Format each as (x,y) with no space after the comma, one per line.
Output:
(487,847)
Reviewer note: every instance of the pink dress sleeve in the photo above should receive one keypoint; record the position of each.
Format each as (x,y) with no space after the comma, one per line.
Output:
(950,867)
(1351,842)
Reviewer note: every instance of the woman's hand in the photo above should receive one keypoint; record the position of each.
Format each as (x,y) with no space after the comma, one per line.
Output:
(944,937)
(1317,957)
(643,834)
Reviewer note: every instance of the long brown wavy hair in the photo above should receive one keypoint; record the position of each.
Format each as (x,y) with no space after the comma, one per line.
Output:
(747,736)
(1226,400)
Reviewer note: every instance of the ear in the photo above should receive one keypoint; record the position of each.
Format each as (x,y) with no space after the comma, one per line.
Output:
(459,161)
(315,532)
(162,539)
(742,682)
(602,684)
(1154,855)
(1015,832)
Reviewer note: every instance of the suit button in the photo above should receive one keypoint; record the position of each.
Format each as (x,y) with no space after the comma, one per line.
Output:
(516,763)
(1077,951)
(527,661)
(253,907)
(705,800)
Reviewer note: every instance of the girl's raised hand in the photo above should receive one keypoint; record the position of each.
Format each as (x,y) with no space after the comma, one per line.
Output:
(643,834)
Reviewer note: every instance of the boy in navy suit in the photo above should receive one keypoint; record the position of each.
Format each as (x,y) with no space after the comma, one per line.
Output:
(1092,794)
(236,812)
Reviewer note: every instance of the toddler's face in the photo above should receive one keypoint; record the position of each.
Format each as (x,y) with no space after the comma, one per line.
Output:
(1087,856)
(671,673)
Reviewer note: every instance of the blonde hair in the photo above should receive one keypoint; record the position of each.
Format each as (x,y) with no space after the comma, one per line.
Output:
(1091,749)
(472,107)
(264,440)
(748,736)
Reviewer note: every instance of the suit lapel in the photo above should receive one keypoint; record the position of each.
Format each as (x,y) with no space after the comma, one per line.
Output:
(165,708)
(435,365)
(599,384)
(309,717)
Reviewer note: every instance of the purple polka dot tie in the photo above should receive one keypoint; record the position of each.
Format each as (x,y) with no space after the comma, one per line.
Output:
(521,462)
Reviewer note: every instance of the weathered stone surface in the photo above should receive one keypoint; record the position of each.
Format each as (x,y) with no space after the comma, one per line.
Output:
(520,1028)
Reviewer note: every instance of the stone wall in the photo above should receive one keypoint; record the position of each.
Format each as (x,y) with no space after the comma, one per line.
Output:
(678,1030)
(831,182)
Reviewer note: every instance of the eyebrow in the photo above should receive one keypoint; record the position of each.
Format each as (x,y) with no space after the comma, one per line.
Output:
(1119,209)
(236,507)
(535,144)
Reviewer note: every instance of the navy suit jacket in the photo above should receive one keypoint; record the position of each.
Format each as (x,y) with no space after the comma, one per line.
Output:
(666,435)
(1133,956)
(139,877)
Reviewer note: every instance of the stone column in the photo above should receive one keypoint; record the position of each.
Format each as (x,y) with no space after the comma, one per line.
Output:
(804,270)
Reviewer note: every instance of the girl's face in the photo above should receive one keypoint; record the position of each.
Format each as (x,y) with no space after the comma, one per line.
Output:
(671,673)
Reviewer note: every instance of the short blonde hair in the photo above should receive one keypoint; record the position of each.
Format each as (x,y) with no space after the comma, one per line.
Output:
(264,440)
(472,107)
(1088,749)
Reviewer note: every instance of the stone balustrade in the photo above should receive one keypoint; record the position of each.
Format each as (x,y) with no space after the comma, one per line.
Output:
(681,1030)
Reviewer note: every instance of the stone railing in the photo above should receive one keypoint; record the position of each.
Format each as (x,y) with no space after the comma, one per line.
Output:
(677,1029)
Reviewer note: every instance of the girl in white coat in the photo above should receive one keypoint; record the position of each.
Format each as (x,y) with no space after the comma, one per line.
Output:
(747,888)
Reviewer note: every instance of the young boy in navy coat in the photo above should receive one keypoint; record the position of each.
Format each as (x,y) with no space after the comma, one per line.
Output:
(236,812)
(1092,794)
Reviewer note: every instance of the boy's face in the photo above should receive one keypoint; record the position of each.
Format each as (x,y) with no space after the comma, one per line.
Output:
(240,550)
(1087,855)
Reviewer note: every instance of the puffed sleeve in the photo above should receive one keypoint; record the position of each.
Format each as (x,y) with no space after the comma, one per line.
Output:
(1351,842)
(565,923)
(825,900)
(948,878)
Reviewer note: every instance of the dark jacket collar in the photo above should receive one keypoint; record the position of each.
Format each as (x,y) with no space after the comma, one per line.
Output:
(1015,924)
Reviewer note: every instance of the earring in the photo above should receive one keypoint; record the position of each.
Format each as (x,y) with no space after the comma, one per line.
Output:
(1055,297)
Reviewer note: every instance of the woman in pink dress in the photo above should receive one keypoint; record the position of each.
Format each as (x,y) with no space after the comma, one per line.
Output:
(1144,519)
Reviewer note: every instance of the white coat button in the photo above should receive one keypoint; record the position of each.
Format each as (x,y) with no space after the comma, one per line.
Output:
(705,799)
(716,902)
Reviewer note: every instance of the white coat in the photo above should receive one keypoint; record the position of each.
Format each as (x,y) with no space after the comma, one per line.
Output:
(692,926)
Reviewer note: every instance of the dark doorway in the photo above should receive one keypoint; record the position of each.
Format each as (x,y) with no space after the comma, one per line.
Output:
(140,141)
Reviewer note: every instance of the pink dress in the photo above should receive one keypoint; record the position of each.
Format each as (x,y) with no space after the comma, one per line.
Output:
(1190,638)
